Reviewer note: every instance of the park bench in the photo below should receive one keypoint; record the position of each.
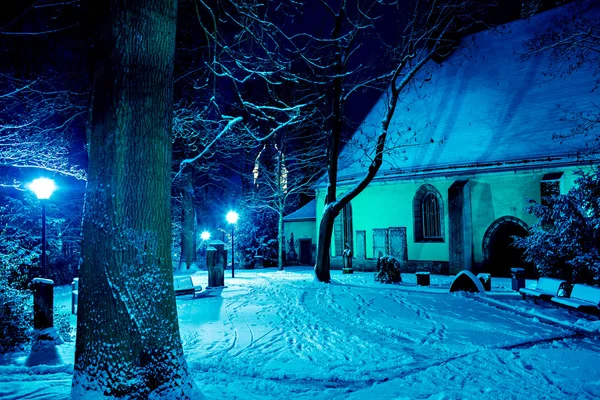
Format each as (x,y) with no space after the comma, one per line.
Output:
(583,297)
(185,285)
(546,289)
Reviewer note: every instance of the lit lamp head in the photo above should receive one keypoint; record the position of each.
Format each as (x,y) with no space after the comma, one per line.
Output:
(232,217)
(43,188)
(205,235)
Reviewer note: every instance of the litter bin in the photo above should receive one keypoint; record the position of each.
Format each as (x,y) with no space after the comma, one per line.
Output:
(518,278)
(486,281)
(43,303)
(422,278)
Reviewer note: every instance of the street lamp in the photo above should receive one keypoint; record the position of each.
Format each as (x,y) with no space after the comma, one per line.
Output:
(205,235)
(232,218)
(43,189)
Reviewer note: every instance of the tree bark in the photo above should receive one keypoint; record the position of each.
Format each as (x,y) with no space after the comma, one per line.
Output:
(187,222)
(323,261)
(280,243)
(128,342)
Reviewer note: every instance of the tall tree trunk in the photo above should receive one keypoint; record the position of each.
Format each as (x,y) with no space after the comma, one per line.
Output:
(280,243)
(280,210)
(187,222)
(128,342)
(334,205)
(336,124)
(323,261)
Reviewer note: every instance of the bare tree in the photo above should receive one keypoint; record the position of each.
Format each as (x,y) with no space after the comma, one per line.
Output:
(238,58)
(204,138)
(128,342)
(272,50)
(282,173)
(428,30)
(43,103)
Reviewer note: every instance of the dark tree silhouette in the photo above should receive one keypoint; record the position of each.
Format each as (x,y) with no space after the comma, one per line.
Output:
(128,342)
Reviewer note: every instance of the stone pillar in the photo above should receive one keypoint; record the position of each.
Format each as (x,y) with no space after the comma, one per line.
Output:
(43,303)
(216,260)
(74,295)
(461,227)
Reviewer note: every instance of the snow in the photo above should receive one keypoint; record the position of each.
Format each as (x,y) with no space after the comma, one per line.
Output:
(275,335)
(482,108)
(44,281)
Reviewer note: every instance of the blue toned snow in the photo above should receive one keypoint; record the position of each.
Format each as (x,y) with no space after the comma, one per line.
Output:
(281,335)
(484,107)
(306,213)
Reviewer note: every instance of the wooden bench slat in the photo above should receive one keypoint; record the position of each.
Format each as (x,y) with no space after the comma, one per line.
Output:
(185,285)
(582,296)
(546,288)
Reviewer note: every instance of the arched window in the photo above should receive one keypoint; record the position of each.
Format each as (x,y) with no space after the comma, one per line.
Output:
(428,214)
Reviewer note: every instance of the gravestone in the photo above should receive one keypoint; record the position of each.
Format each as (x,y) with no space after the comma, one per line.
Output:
(380,243)
(466,281)
(398,245)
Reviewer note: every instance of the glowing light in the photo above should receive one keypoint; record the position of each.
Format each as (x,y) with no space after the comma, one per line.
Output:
(232,217)
(42,187)
(205,235)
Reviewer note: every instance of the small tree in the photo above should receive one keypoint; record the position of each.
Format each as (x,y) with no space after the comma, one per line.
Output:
(256,235)
(565,242)
(389,269)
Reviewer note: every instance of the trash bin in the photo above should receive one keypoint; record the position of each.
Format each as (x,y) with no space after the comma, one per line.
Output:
(43,303)
(518,278)
(486,281)
(423,278)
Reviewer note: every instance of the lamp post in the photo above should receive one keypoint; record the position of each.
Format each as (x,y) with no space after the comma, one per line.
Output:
(232,218)
(43,189)
(205,235)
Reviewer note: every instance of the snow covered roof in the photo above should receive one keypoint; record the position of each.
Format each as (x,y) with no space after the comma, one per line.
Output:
(485,107)
(306,213)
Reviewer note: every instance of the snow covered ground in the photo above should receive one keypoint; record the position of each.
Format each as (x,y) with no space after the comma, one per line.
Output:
(281,335)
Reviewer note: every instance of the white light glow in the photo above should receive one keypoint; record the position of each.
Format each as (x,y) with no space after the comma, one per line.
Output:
(42,187)
(232,217)
(205,235)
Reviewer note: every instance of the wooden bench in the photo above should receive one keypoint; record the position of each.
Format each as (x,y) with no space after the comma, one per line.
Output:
(583,297)
(185,285)
(546,289)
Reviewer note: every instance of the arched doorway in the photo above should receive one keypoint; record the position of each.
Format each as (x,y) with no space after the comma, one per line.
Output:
(499,254)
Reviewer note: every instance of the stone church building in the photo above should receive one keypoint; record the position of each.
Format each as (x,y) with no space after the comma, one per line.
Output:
(473,138)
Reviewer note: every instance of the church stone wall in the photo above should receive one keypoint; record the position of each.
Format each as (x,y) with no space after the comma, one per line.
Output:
(385,205)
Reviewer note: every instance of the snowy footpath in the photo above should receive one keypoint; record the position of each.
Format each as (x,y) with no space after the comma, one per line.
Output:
(282,335)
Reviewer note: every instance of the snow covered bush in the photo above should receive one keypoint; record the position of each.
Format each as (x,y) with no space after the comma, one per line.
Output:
(15,316)
(565,242)
(20,243)
(256,235)
(389,270)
